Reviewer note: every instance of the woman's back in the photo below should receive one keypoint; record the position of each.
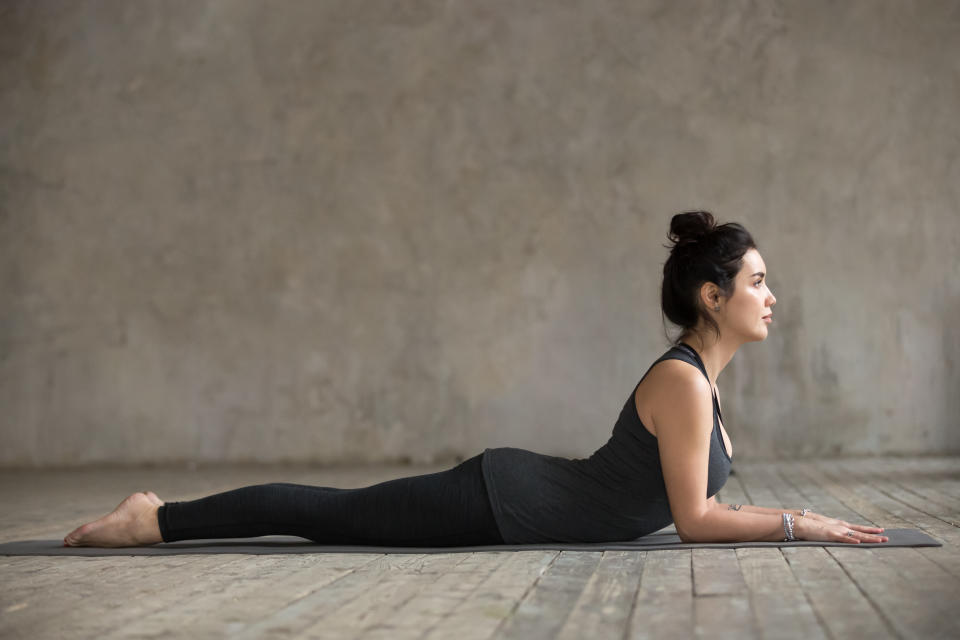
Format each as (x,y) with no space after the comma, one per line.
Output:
(617,493)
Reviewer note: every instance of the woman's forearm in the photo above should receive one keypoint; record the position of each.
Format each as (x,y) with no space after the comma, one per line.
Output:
(721,525)
(749,508)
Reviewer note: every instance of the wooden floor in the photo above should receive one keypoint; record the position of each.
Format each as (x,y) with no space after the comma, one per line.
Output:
(808,592)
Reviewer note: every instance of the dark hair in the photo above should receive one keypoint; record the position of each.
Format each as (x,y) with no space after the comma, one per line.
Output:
(701,252)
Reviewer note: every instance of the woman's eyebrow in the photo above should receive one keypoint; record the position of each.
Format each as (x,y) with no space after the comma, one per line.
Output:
(759,273)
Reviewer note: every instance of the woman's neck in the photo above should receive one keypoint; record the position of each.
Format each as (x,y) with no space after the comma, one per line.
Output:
(714,353)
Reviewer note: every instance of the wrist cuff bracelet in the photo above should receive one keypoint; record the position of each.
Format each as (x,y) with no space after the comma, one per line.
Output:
(788,527)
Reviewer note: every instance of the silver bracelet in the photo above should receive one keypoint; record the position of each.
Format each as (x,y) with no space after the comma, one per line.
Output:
(788,527)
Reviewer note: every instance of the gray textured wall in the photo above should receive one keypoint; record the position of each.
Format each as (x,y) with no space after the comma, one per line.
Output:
(362,231)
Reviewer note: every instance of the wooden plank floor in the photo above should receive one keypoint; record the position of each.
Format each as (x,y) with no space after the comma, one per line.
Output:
(810,592)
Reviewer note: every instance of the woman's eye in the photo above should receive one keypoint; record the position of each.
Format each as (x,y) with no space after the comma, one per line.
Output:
(757,282)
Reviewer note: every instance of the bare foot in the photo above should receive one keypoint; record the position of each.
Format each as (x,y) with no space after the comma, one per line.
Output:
(132,523)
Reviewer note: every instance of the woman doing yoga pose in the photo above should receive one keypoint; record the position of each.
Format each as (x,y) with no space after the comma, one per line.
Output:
(668,455)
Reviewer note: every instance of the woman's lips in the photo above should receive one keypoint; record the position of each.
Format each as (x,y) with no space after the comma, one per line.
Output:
(768,319)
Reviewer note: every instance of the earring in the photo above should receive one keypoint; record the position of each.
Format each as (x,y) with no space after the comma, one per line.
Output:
(716,308)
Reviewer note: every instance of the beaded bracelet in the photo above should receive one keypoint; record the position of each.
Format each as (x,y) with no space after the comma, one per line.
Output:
(788,527)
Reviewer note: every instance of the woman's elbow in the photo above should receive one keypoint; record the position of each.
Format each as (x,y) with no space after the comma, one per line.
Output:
(686,538)
(689,530)
(684,534)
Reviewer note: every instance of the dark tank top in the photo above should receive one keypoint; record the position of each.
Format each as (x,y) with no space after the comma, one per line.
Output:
(618,493)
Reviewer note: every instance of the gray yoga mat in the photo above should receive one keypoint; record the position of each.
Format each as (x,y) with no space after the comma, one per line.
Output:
(292,544)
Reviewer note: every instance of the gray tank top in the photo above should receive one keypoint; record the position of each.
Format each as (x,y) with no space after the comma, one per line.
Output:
(618,493)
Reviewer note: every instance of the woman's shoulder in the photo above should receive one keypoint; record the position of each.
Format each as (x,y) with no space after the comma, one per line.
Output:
(677,364)
(673,378)
(676,373)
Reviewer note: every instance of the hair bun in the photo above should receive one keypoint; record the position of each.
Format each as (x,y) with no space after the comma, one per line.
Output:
(691,226)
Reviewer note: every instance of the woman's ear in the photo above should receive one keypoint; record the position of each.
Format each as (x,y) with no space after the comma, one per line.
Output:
(710,295)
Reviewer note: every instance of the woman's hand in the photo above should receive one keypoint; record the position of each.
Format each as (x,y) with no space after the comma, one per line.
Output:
(814,526)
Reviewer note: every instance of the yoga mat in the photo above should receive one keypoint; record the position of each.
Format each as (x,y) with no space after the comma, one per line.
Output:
(292,544)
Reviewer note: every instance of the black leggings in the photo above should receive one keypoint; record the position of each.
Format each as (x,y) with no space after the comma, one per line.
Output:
(447,508)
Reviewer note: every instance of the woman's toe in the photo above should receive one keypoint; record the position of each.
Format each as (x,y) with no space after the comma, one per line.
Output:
(73,538)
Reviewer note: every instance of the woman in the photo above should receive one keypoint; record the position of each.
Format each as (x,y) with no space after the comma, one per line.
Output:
(667,458)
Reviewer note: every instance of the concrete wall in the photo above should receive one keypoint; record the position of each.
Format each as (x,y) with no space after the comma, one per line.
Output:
(368,231)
